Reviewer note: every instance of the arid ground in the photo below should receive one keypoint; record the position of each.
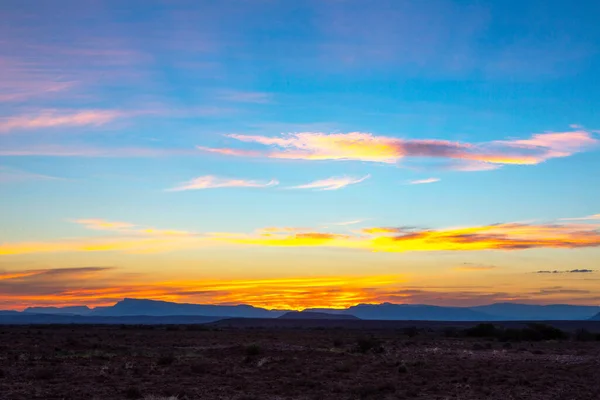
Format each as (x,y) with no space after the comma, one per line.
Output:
(195,362)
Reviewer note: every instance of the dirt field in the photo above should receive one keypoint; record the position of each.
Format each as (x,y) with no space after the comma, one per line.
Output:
(112,362)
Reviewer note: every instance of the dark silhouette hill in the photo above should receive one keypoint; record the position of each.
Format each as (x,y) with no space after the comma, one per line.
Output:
(528,312)
(73,310)
(28,319)
(385,311)
(413,312)
(316,315)
(129,307)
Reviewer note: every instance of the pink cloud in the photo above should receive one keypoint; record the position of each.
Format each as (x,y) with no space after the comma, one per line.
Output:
(212,182)
(360,146)
(423,181)
(333,183)
(246,97)
(53,119)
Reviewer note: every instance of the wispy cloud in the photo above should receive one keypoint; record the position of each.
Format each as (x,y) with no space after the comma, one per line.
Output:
(212,182)
(361,146)
(423,181)
(586,218)
(10,175)
(572,271)
(351,222)
(54,150)
(53,118)
(470,267)
(333,183)
(129,229)
(246,97)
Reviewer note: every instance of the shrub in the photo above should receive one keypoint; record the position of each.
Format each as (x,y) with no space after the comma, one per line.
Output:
(375,391)
(482,330)
(166,359)
(133,393)
(402,368)
(43,373)
(583,335)
(365,344)
(411,331)
(253,350)
(533,333)
(337,342)
(200,368)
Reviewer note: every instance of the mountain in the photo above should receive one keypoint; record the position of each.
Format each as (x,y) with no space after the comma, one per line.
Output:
(532,312)
(128,307)
(315,315)
(385,311)
(29,318)
(416,312)
(74,310)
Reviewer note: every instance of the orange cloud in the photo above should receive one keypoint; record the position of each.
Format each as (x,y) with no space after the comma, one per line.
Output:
(76,286)
(212,182)
(52,118)
(333,183)
(509,236)
(361,146)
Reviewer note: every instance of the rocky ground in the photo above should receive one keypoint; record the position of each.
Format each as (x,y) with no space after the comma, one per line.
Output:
(194,362)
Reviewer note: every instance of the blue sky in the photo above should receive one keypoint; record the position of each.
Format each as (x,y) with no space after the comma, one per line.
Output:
(435,115)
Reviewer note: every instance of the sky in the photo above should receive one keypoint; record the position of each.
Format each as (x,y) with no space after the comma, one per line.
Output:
(295,154)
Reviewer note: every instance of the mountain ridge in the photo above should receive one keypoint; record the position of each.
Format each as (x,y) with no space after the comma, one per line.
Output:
(129,307)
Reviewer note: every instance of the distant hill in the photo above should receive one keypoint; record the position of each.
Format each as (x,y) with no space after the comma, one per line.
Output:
(414,312)
(28,318)
(596,317)
(315,315)
(530,312)
(129,307)
(385,311)
(74,310)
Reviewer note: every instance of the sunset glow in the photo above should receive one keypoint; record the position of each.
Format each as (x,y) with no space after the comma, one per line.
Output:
(295,155)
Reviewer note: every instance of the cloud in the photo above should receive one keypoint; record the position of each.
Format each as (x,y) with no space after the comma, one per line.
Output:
(559,290)
(360,146)
(333,183)
(423,181)
(587,218)
(573,271)
(81,286)
(499,237)
(10,175)
(59,273)
(470,267)
(52,150)
(246,97)
(506,237)
(53,119)
(346,223)
(129,229)
(212,182)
